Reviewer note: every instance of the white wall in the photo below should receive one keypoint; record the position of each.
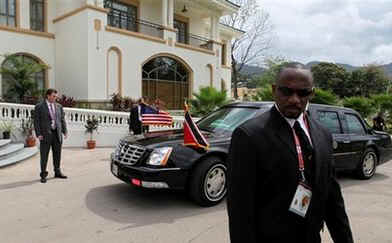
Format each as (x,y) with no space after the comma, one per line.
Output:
(113,73)
(52,14)
(24,14)
(135,51)
(72,56)
(97,56)
(78,54)
(66,6)
(151,10)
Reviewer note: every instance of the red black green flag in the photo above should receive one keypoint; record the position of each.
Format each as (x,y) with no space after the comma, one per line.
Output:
(192,135)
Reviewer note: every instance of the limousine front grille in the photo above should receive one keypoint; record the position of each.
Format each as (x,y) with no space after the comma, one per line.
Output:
(128,154)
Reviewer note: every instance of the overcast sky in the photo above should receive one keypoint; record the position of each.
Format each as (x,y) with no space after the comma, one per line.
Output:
(355,32)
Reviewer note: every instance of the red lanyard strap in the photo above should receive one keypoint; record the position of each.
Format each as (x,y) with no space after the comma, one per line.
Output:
(301,164)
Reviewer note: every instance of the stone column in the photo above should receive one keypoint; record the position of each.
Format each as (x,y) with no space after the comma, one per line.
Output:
(164,12)
(214,28)
(171,14)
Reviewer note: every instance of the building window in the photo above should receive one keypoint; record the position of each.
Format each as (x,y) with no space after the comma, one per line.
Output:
(37,15)
(166,79)
(10,91)
(121,15)
(8,12)
(182,34)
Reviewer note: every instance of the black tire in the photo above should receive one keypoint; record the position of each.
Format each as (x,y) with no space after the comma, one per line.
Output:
(208,182)
(368,164)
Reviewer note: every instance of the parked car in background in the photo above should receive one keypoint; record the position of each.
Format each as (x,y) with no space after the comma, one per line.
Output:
(160,160)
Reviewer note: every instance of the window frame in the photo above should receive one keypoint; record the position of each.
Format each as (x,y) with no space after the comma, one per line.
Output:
(346,114)
(8,16)
(44,73)
(338,119)
(108,4)
(185,21)
(44,15)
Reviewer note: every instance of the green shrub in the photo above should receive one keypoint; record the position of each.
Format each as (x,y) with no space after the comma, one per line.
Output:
(361,104)
(264,94)
(324,97)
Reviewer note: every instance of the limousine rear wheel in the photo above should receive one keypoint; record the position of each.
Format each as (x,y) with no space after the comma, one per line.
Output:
(368,164)
(208,182)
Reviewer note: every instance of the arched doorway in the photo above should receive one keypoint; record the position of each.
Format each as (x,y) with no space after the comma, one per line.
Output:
(9,90)
(166,79)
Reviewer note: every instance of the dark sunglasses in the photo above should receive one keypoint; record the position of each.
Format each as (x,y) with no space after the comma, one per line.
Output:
(286,91)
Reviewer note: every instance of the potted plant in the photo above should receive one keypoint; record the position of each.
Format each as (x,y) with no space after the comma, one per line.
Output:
(7,127)
(91,126)
(27,130)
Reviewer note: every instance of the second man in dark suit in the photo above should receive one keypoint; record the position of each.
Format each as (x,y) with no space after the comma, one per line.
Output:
(281,184)
(50,126)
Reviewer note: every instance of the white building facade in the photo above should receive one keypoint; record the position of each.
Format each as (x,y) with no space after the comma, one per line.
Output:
(163,49)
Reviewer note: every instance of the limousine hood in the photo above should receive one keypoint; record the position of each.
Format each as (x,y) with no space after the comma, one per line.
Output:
(169,138)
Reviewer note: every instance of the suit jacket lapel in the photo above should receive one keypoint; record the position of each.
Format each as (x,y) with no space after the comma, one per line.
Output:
(315,135)
(283,130)
(46,108)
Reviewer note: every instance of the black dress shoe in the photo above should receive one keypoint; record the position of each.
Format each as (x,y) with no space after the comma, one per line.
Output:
(43,180)
(60,175)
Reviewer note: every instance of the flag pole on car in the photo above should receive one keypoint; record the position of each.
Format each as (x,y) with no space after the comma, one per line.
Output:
(192,135)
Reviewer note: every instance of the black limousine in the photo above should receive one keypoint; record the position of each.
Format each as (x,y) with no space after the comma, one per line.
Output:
(160,160)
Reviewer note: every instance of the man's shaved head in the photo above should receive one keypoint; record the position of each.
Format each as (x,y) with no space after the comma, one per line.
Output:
(294,70)
(293,89)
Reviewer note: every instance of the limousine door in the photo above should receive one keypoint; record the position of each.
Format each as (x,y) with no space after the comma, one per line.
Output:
(358,136)
(341,142)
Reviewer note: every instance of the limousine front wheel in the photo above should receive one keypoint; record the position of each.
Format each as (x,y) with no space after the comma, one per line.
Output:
(208,182)
(368,164)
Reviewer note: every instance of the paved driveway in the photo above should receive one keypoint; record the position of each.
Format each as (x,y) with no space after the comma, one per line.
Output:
(93,206)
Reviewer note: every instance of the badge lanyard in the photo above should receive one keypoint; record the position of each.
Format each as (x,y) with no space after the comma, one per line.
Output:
(301,163)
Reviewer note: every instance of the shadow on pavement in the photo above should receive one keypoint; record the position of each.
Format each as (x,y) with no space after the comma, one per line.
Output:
(20,184)
(125,204)
(348,179)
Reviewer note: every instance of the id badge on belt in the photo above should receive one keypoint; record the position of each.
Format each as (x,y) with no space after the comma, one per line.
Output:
(301,200)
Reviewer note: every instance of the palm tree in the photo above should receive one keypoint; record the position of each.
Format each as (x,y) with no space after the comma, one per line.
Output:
(20,76)
(207,100)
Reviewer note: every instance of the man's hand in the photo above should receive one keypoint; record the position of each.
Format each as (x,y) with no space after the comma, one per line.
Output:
(65,136)
(40,137)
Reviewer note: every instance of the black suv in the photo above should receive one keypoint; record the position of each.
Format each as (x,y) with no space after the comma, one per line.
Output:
(160,160)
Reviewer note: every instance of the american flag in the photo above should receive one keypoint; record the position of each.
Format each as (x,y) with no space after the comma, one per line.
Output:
(152,116)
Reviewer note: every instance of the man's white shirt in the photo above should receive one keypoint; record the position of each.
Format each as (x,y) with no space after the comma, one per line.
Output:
(301,121)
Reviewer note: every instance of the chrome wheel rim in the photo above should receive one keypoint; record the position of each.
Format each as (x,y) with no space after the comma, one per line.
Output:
(215,183)
(369,163)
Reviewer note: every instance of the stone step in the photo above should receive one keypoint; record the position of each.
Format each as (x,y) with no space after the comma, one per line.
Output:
(10,149)
(19,156)
(4,142)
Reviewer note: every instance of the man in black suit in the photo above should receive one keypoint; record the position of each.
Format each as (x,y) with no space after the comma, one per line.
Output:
(281,184)
(135,123)
(49,125)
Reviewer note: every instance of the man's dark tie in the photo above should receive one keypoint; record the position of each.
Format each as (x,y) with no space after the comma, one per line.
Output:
(307,150)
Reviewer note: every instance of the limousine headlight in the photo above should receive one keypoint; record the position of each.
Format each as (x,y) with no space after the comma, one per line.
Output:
(159,156)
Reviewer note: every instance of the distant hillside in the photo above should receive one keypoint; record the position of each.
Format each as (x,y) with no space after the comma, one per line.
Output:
(248,70)
(387,67)
(252,71)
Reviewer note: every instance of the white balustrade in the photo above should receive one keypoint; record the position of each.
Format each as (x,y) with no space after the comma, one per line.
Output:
(112,124)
